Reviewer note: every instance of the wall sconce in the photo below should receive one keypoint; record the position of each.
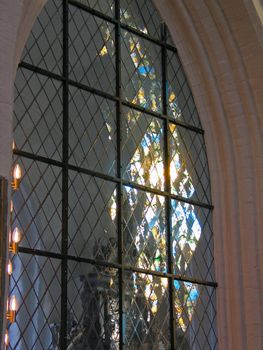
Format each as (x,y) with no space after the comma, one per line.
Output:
(15,239)
(17,175)
(11,312)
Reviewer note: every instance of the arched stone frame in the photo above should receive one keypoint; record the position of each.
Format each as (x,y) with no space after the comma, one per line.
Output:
(220,43)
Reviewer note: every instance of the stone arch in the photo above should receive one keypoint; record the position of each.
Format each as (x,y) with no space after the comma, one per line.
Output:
(220,43)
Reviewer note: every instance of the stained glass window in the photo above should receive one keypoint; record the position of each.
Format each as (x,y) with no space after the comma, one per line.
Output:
(114,203)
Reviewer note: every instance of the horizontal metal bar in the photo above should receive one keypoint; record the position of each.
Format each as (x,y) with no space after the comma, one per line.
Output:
(123,26)
(94,173)
(117,266)
(36,157)
(110,97)
(112,179)
(192,201)
(93,90)
(41,71)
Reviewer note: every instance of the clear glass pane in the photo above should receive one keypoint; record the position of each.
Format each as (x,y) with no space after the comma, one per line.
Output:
(37,205)
(143,149)
(146,312)
(144,230)
(141,72)
(38,114)
(194,309)
(36,284)
(105,6)
(188,166)
(44,45)
(180,103)
(92,132)
(91,50)
(192,245)
(93,307)
(141,15)
(92,217)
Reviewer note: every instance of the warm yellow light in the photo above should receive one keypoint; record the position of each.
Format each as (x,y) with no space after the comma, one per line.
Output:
(11,310)
(16,235)
(13,303)
(11,206)
(13,145)
(17,175)
(9,268)
(6,338)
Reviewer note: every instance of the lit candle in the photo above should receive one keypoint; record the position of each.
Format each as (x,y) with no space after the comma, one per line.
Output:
(6,338)
(9,268)
(16,236)
(13,303)
(17,175)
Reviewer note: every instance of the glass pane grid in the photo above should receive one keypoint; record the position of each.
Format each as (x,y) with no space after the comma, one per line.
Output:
(188,167)
(144,230)
(106,7)
(192,241)
(91,50)
(92,218)
(38,114)
(44,45)
(141,15)
(180,100)
(92,132)
(95,230)
(195,316)
(141,72)
(146,312)
(143,149)
(37,206)
(36,284)
(93,304)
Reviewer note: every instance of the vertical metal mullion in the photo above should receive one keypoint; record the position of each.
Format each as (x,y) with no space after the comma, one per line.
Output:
(167,183)
(64,246)
(119,168)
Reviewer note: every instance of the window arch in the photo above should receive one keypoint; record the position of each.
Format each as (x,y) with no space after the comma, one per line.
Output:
(115,203)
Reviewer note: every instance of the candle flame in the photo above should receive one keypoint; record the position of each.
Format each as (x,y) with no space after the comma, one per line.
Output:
(9,268)
(13,303)
(17,172)
(16,236)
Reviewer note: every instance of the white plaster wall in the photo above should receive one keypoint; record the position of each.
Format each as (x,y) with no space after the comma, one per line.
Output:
(220,43)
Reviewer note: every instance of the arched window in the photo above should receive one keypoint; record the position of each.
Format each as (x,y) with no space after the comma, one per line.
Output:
(114,203)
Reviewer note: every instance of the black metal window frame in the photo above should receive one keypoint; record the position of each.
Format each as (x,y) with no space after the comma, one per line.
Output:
(65,166)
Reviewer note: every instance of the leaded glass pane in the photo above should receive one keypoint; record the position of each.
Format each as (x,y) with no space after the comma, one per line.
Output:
(37,206)
(141,72)
(111,240)
(146,312)
(194,316)
(92,217)
(143,149)
(44,45)
(92,132)
(188,166)
(105,6)
(35,282)
(144,230)
(93,307)
(38,114)
(180,102)
(192,241)
(91,50)
(141,15)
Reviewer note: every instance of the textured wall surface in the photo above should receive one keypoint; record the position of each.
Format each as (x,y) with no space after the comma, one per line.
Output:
(220,43)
